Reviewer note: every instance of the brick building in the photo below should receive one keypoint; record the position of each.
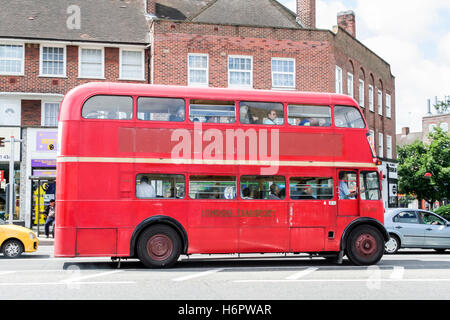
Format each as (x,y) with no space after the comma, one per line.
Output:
(258,44)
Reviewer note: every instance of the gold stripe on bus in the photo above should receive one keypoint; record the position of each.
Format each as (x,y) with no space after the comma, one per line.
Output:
(218,162)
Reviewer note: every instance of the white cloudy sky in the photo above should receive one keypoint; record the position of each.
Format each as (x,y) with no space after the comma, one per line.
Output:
(413,36)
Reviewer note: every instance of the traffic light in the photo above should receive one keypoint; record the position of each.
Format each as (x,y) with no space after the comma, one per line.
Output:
(2,142)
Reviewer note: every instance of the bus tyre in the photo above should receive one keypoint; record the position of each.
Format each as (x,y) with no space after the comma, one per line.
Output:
(159,246)
(365,246)
(12,248)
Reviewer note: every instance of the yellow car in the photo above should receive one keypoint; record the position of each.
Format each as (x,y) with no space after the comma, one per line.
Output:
(14,240)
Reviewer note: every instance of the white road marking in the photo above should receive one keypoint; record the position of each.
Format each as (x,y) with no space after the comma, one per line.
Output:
(2,273)
(62,283)
(398,273)
(301,274)
(197,275)
(77,279)
(345,280)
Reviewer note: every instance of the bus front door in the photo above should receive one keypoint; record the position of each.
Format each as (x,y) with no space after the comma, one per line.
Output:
(347,193)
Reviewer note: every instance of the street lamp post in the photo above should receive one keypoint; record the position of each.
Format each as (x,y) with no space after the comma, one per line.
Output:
(12,140)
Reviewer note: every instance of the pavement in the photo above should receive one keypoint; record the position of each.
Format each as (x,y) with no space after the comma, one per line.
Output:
(43,240)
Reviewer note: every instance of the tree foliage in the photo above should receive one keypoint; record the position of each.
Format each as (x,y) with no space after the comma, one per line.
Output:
(418,159)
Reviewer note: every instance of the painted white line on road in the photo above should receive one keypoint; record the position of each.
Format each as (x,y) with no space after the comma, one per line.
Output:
(301,274)
(2,273)
(77,279)
(342,280)
(62,283)
(398,273)
(197,275)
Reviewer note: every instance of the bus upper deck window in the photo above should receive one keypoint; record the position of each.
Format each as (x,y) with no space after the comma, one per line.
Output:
(161,109)
(108,107)
(263,113)
(348,117)
(208,111)
(312,116)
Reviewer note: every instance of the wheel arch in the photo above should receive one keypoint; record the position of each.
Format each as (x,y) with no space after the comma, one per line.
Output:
(9,239)
(363,221)
(165,220)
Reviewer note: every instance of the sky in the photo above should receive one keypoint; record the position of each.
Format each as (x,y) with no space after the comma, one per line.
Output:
(413,36)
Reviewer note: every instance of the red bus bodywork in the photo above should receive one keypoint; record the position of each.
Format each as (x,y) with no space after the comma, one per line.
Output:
(98,213)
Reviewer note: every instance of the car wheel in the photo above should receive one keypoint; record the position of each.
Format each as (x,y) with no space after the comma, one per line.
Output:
(392,246)
(365,246)
(441,251)
(159,246)
(12,248)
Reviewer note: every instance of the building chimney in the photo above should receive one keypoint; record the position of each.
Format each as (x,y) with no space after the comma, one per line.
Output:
(150,5)
(405,131)
(346,20)
(306,13)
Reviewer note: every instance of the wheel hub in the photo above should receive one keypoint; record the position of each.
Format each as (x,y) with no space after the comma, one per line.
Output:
(366,245)
(159,247)
(12,250)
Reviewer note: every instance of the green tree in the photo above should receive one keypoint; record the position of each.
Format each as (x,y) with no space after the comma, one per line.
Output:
(418,159)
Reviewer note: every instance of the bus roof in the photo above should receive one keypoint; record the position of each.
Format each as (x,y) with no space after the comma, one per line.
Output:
(76,97)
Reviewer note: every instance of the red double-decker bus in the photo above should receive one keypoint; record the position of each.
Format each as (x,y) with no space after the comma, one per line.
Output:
(153,172)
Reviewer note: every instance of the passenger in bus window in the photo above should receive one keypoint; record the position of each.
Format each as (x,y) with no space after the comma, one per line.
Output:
(246,194)
(246,116)
(307,193)
(178,116)
(144,190)
(212,119)
(344,192)
(215,194)
(271,116)
(274,192)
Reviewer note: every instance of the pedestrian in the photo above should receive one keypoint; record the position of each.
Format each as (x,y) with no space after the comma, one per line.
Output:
(50,218)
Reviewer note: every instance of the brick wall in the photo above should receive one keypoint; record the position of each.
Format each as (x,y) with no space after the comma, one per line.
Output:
(31,82)
(316,52)
(31,113)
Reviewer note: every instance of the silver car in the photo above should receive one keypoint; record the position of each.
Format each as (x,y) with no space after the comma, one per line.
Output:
(412,228)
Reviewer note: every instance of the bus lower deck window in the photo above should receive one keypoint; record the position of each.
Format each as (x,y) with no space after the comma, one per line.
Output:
(311,188)
(263,187)
(212,187)
(155,186)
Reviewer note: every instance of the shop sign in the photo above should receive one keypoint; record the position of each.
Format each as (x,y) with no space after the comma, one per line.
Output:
(46,141)
(43,163)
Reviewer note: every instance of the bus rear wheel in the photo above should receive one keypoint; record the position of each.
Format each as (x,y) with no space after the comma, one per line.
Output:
(365,246)
(159,246)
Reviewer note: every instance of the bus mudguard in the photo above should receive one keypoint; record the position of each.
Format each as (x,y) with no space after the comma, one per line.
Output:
(159,220)
(367,221)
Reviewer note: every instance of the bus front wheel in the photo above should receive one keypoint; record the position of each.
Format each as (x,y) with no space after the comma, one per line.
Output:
(159,246)
(365,246)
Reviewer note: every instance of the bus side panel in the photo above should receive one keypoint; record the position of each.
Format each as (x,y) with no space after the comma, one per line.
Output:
(65,240)
(307,239)
(96,242)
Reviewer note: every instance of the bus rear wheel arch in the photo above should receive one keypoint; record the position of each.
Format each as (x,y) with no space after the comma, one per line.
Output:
(365,245)
(159,246)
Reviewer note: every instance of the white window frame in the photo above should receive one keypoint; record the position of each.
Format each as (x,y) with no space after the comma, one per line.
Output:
(142,76)
(289,73)
(22,72)
(41,61)
(103,63)
(350,84)
(43,124)
(361,93)
(389,147)
(380,145)
(380,102)
(197,84)
(229,72)
(339,84)
(371,98)
(388,106)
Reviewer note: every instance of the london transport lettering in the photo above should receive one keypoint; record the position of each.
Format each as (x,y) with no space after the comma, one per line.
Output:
(239,213)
